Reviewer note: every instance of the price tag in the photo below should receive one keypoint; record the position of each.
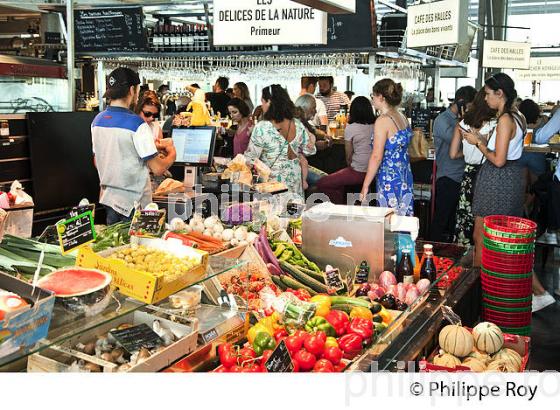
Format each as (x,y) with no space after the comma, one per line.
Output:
(78,210)
(136,337)
(76,232)
(147,222)
(333,280)
(280,360)
(210,335)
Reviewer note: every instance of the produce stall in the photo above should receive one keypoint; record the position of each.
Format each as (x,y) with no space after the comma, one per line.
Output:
(236,292)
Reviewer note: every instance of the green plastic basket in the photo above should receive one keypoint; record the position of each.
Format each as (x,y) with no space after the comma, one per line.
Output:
(508,275)
(509,235)
(506,310)
(507,300)
(512,249)
(521,331)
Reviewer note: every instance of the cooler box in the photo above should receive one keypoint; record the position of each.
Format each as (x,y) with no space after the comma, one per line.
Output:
(343,236)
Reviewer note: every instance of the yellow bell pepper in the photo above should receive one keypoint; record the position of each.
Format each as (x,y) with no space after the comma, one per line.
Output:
(255,330)
(361,312)
(272,322)
(331,342)
(323,303)
(386,315)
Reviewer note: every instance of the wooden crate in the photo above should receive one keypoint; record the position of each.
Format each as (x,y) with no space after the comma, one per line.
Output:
(58,358)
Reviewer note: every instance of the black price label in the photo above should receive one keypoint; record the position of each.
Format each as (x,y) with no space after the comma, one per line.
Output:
(75,232)
(147,222)
(78,210)
(333,279)
(135,337)
(280,360)
(210,335)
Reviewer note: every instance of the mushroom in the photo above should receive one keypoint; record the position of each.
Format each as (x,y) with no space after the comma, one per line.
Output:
(124,367)
(89,348)
(118,355)
(108,357)
(143,354)
(92,367)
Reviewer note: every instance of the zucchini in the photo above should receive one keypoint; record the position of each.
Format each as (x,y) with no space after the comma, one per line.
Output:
(294,284)
(345,300)
(278,282)
(307,280)
(344,308)
(315,275)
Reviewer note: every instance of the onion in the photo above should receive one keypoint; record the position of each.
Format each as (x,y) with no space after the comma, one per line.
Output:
(177,224)
(227,235)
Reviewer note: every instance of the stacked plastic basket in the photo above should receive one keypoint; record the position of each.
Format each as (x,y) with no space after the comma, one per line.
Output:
(508,256)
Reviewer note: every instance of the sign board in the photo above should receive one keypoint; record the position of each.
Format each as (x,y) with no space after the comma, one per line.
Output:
(280,360)
(267,22)
(540,69)
(331,6)
(421,118)
(80,209)
(333,279)
(135,337)
(110,29)
(76,232)
(506,54)
(147,222)
(437,23)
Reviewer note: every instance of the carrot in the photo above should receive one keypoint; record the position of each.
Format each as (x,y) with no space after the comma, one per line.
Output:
(205,238)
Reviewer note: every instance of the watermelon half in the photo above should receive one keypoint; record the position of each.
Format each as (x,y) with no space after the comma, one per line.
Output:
(78,288)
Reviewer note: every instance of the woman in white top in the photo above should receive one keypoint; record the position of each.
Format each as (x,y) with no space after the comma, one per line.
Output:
(481,118)
(148,109)
(499,188)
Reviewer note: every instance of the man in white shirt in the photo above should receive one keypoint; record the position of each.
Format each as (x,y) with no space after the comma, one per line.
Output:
(332,99)
(309,86)
(124,149)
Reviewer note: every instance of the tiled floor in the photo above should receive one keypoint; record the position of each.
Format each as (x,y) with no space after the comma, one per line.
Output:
(545,335)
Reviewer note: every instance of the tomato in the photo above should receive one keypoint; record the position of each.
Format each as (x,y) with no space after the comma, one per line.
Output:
(279,334)
(323,366)
(235,369)
(252,368)
(224,347)
(293,343)
(266,354)
(221,369)
(305,360)
(296,366)
(228,357)
(321,335)
(315,344)
(333,354)
(247,353)
(339,368)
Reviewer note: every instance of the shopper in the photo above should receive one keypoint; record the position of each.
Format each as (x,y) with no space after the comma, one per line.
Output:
(332,99)
(357,143)
(241,91)
(309,86)
(279,139)
(241,114)
(389,161)
(482,119)
(124,149)
(182,105)
(543,136)
(218,98)
(500,183)
(168,106)
(147,108)
(306,110)
(449,171)
(350,95)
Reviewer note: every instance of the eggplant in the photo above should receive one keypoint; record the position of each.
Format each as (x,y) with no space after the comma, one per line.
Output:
(363,290)
(388,301)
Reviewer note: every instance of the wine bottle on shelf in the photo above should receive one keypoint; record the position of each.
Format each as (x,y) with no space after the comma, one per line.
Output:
(405,272)
(171,38)
(166,38)
(428,269)
(156,39)
(195,38)
(204,38)
(184,39)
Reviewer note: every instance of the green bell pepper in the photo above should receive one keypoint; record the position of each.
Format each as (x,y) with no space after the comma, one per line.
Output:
(320,324)
(263,341)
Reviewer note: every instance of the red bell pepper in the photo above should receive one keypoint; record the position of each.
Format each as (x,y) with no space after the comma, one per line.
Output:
(339,320)
(362,327)
(351,345)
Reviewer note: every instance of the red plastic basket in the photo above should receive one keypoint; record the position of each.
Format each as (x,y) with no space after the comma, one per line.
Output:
(506,283)
(502,239)
(502,263)
(507,292)
(509,319)
(506,304)
(510,224)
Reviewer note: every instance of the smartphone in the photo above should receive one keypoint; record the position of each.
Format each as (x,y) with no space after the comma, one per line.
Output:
(460,106)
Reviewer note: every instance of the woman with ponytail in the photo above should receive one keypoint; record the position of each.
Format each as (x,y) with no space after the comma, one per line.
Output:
(389,161)
(499,189)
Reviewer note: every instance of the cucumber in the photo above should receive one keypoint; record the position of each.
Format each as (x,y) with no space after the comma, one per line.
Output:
(294,284)
(278,282)
(344,300)
(312,273)
(304,278)
(344,308)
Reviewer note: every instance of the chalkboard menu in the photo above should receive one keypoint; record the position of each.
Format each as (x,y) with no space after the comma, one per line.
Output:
(135,337)
(76,232)
(110,29)
(421,119)
(147,222)
(347,30)
(280,360)
(333,279)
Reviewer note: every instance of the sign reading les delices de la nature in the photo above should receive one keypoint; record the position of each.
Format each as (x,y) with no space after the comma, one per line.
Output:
(506,54)
(437,23)
(267,22)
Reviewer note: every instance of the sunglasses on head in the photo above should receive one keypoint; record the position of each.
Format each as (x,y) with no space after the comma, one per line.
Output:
(149,114)
(495,83)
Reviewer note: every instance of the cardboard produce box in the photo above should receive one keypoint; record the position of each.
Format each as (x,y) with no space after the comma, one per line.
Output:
(146,286)
(21,330)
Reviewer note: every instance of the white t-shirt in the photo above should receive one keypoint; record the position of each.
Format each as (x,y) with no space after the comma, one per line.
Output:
(515,147)
(472,154)
(321,112)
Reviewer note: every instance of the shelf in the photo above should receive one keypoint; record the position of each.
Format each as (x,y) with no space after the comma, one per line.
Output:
(65,325)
